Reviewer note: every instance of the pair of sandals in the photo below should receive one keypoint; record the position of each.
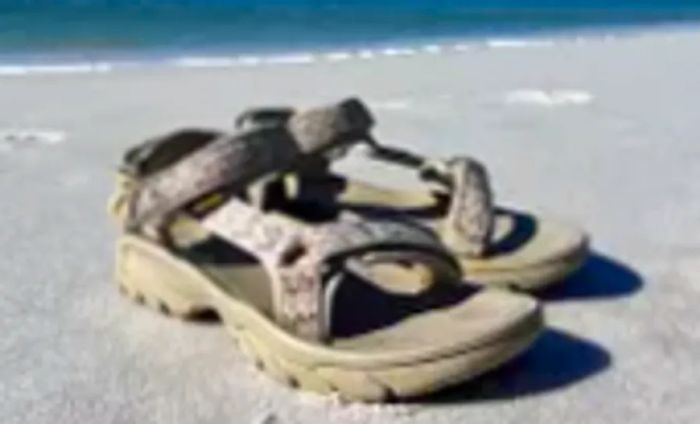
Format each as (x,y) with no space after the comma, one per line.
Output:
(329,284)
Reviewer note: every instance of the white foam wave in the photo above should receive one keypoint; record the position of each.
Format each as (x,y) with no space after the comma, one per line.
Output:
(291,59)
(549,98)
(206,62)
(517,43)
(432,48)
(396,51)
(462,47)
(237,61)
(66,68)
(366,54)
(249,60)
(338,56)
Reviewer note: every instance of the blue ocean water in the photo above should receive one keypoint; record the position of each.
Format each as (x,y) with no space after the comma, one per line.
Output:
(53,29)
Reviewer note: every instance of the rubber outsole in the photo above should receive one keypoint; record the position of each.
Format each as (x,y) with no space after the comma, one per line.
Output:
(148,276)
(530,278)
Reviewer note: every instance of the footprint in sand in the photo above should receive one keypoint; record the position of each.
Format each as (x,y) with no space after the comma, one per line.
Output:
(548,98)
(13,139)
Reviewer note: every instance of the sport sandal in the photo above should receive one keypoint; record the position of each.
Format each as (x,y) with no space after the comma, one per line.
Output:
(495,246)
(289,288)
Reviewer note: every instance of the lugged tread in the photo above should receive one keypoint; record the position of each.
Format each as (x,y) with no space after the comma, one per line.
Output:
(351,384)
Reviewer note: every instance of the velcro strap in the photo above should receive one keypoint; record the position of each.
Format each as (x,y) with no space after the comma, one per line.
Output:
(228,161)
(184,166)
(326,129)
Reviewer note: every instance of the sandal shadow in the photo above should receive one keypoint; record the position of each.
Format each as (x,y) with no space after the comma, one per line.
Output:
(600,277)
(558,359)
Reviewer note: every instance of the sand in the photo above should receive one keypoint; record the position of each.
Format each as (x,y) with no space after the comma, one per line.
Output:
(599,131)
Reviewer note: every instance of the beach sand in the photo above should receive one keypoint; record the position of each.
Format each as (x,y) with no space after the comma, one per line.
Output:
(599,131)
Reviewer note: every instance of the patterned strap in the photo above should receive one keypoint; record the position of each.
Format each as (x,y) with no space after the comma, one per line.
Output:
(468,226)
(335,125)
(231,161)
(332,126)
(192,163)
(303,260)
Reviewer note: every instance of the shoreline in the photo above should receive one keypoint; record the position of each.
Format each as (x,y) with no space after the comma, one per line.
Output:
(203,59)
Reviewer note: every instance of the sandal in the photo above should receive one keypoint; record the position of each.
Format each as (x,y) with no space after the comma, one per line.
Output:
(202,231)
(495,246)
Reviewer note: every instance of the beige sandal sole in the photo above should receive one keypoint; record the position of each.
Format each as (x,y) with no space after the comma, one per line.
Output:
(151,275)
(529,278)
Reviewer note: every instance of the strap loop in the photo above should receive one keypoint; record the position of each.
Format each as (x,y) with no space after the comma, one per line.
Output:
(468,226)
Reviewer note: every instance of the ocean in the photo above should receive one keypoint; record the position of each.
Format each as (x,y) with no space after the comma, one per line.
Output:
(78,31)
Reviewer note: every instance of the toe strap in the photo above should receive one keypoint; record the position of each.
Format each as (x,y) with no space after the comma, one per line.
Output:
(306,263)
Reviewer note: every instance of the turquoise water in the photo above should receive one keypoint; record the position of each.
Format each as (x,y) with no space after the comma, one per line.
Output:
(40,30)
